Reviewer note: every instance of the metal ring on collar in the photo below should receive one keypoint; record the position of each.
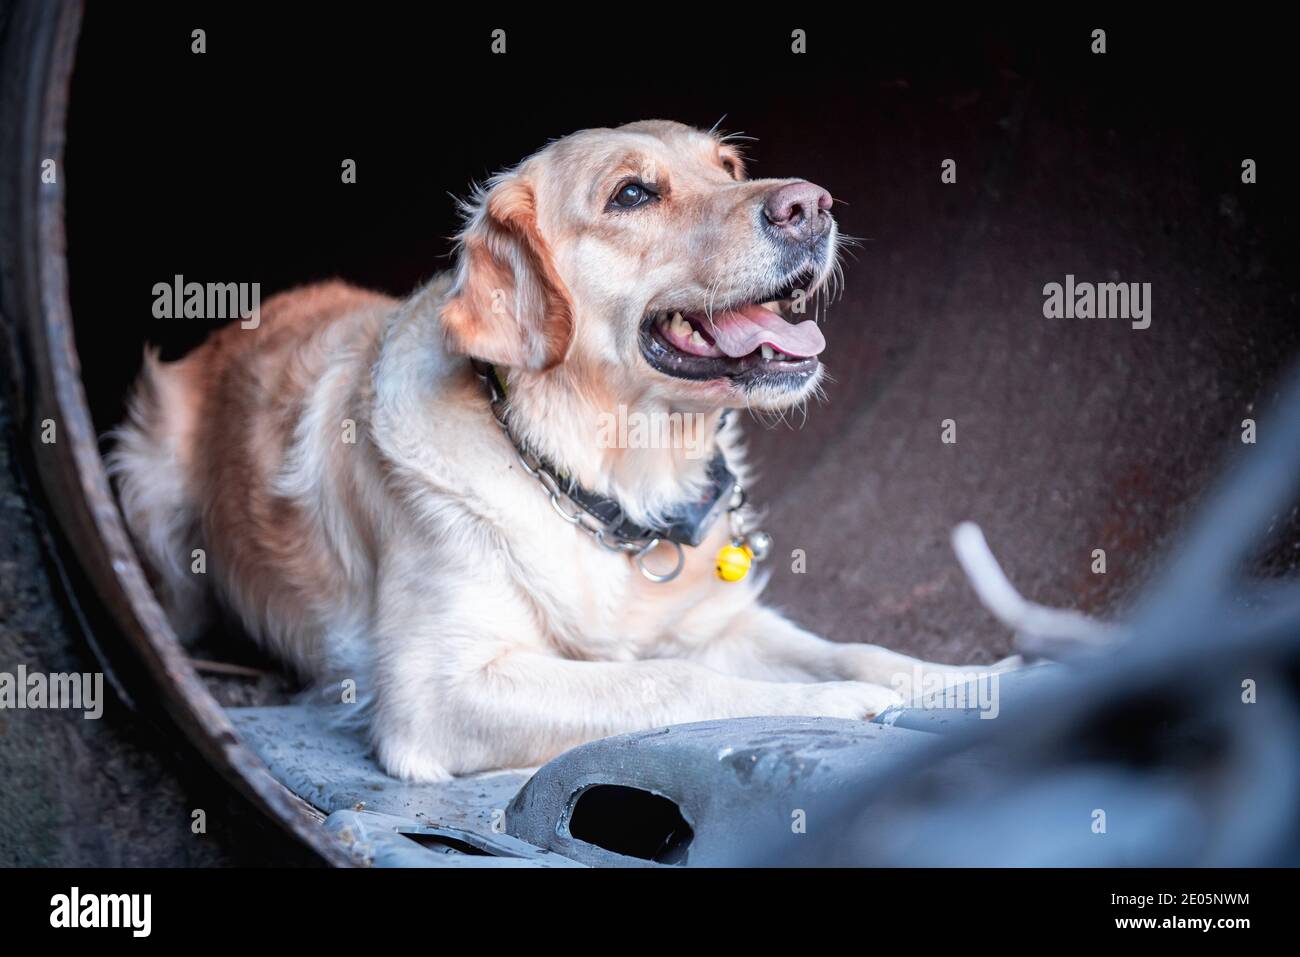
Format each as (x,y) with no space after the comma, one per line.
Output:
(639,559)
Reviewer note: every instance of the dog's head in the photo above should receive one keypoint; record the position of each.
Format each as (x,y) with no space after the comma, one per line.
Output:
(644,257)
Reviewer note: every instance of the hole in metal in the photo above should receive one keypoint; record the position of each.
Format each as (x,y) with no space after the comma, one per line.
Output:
(631,822)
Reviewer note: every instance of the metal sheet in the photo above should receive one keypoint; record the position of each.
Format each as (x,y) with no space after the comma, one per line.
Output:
(745,781)
(333,770)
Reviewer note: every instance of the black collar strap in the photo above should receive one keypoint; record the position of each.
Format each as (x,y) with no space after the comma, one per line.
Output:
(603,519)
(689,524)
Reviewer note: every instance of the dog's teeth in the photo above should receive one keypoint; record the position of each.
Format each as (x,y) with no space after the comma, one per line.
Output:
(681,326)
(767,351)
(697,339)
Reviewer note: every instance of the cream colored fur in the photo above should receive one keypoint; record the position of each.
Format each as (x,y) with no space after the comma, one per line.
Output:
(420,561)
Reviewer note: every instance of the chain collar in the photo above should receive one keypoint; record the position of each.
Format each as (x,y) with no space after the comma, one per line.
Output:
(602,517)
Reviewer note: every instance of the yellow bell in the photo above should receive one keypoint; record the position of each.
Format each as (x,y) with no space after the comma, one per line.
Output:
(734,562)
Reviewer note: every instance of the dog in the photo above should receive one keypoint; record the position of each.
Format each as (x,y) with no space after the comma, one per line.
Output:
(370,521)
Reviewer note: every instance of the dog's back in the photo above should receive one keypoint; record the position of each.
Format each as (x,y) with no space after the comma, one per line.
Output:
(211,442)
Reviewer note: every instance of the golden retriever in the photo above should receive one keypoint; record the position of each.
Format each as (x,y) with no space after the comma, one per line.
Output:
(362,512)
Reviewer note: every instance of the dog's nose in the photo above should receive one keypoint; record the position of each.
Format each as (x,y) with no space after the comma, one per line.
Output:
(799,211)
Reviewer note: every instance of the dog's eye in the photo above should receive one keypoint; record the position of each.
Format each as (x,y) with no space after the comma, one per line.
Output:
(631,195)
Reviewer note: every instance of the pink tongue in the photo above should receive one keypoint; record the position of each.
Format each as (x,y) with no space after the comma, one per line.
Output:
(738,332)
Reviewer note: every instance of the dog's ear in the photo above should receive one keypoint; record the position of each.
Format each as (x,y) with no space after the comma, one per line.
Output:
(508,305)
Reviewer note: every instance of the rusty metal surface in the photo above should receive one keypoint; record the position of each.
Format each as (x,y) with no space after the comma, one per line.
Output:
(1071,435)
(1160,749)
(109,792)
(37,67)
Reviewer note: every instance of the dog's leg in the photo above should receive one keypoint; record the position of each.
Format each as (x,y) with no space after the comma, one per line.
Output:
(543,705)
(760,643)
(464,684)
(528,707)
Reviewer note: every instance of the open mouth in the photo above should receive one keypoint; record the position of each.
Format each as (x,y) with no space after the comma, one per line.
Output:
(764,339)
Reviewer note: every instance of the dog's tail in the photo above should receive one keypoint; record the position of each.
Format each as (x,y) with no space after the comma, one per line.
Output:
(150,466)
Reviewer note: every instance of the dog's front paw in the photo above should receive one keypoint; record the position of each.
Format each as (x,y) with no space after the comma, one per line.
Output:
(846,699)
(410,763)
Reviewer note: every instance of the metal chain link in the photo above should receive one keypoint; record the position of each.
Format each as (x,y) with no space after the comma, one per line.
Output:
(635,549)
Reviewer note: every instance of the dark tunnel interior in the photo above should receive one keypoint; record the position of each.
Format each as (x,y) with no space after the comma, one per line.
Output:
(1074,434)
